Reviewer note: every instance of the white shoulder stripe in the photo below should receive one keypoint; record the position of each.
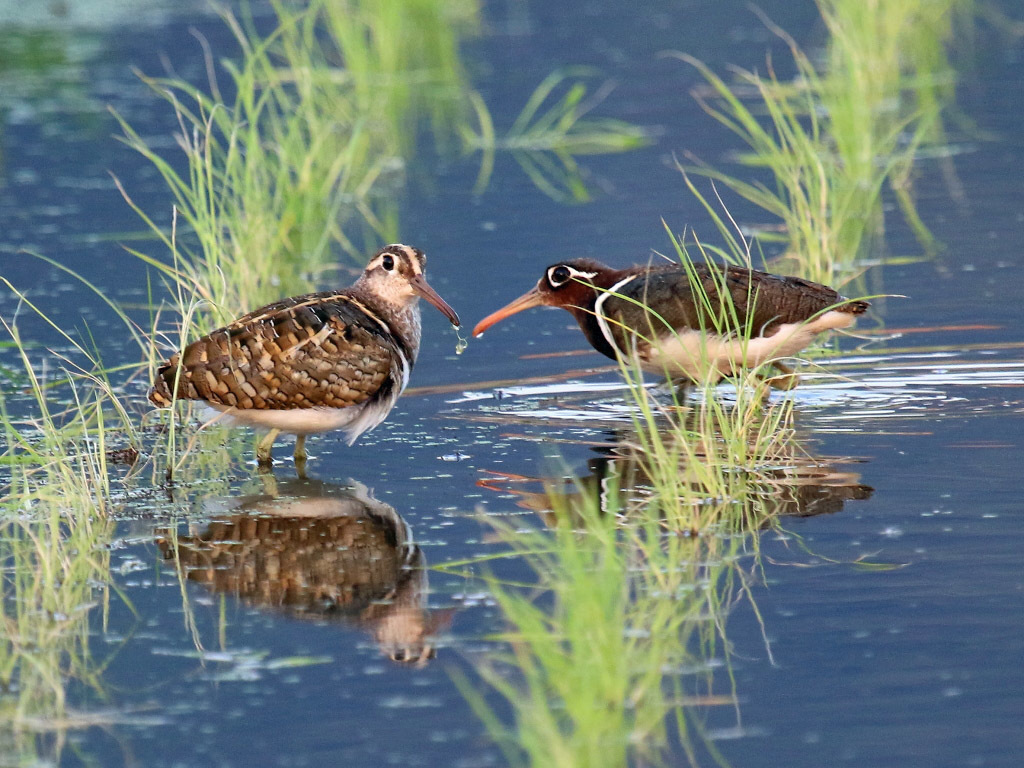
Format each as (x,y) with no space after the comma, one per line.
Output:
(602,319)
(406,369)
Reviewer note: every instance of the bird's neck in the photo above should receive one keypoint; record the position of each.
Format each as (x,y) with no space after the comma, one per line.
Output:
(405,323)
(591,329)
(402,319)
(583,307)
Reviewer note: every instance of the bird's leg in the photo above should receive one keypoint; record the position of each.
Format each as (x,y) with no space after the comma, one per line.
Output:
(300,456)
(781,366)
(789,379)
(680,389)
(268,481)
(264,448)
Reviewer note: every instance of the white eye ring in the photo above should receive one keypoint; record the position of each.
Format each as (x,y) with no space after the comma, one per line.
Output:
(564,275)
(570,274)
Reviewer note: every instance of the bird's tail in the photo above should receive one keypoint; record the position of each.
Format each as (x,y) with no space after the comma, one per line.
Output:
(160,392)
(853,307)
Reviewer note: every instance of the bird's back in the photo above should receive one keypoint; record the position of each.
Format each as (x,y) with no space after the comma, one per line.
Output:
(754,299)
(327,349)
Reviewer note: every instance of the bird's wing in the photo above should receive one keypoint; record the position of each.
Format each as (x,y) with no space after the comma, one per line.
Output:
(773,300)
(751,298)
(326,349)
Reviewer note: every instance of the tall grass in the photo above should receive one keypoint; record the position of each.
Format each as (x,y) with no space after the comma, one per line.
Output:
(844,129)
(613,650)
(55,535)
(304,157)
(831,139)
(697,447)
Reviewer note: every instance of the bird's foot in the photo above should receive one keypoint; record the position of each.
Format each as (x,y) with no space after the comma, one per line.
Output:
(264,450)
(788,380)
(785,382)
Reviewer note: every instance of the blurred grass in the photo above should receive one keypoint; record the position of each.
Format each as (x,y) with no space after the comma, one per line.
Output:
(307,155)
(549,134)
(305,160)
(844,130)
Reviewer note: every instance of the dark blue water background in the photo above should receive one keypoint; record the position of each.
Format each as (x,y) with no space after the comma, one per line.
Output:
(916,666)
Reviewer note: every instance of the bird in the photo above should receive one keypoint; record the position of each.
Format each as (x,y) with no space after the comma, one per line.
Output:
(692,322)
(311,363)
(791,482)
(320,551)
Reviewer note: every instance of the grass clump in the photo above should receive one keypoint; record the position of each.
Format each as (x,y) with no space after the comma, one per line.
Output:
(712,461)
(702,454)
(54,576)
(549,133)
(306,157)
(843,129)
(612,651)
(322,119)
(55,537)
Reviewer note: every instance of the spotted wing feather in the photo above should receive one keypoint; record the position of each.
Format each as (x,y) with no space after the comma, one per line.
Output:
(326,349)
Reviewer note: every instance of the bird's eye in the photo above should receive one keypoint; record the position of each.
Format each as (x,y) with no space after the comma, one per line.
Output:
(388,262)
(559,276)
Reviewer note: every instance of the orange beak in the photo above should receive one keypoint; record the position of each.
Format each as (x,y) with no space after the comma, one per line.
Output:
(529,299)
(420,286)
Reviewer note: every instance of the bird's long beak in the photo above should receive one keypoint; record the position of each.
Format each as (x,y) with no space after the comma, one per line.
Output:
(422,288)
(529,299)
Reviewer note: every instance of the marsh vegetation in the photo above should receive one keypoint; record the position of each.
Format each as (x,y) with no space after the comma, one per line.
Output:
(616,613)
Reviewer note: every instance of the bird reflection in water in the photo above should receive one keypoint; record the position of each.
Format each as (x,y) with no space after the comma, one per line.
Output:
(796,485)
(320,551)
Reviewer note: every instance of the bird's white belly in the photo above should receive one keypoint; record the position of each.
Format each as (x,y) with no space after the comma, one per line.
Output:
(694,353)
(298,421)
(354,419)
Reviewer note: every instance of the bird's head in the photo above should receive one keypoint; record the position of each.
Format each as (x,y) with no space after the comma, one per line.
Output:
(395,275)
(567,284)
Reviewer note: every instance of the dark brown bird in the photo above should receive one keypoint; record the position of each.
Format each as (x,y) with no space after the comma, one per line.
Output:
(791,482)
(313,363)
(717,319)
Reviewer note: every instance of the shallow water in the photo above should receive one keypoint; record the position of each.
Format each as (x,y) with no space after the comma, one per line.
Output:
(917,665)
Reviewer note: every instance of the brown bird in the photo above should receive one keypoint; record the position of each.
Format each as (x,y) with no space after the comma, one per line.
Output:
(312,363)
(687,325)
(319,551)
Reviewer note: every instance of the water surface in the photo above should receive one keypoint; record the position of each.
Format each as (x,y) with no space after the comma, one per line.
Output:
(916,665)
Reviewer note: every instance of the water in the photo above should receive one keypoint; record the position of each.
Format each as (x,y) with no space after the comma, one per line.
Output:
(916,664)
